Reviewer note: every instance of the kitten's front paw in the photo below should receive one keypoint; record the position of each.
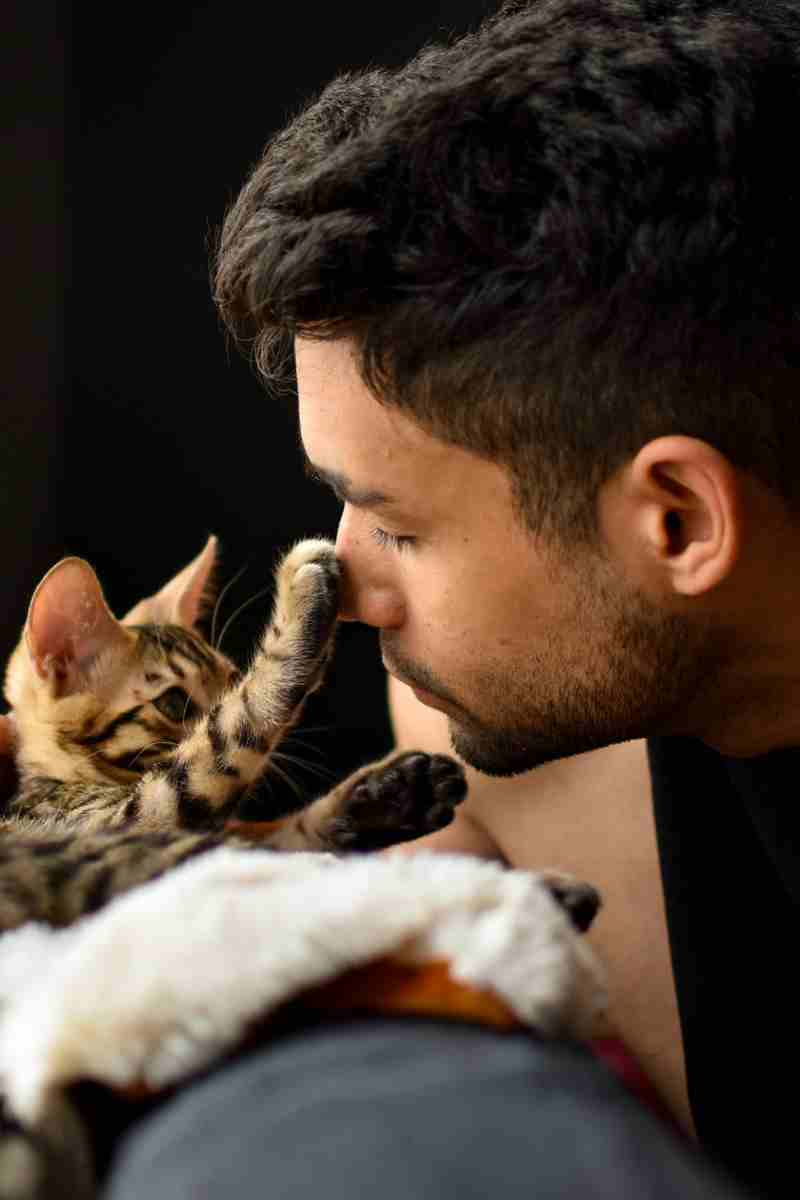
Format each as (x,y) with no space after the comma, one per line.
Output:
(405,798)
(308,590)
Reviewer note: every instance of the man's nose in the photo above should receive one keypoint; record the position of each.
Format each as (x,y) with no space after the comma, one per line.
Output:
(366,595)
(368,602)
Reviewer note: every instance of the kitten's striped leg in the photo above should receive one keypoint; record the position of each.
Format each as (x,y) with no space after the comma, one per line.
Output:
(229,748)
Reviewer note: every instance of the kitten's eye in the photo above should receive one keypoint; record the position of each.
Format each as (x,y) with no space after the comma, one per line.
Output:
(175,705)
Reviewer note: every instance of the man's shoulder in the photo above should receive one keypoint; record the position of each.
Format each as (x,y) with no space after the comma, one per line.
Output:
(704,800)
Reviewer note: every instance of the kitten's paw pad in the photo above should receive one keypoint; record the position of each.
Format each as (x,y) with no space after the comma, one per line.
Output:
(410,796)
(579,899)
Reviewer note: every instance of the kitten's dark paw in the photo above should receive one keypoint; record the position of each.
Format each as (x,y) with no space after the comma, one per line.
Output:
(406,798)
(579,900)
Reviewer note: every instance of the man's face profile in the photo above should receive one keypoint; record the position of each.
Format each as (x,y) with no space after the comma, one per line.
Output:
(533,652)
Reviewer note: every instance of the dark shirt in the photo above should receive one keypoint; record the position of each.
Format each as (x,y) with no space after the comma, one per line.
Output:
(729,843)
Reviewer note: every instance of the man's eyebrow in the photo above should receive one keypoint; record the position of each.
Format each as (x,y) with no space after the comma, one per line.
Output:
(345,491)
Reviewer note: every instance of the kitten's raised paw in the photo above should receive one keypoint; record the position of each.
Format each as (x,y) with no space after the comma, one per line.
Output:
(308,589)
(410,795)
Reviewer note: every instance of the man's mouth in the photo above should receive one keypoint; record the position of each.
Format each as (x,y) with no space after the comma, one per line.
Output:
(429,699)
(405,672)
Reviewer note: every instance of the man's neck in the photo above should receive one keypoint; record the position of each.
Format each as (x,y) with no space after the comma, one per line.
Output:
(752,705)
(755,707)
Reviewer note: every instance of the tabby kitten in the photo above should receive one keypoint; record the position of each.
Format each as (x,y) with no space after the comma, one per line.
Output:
(137,739)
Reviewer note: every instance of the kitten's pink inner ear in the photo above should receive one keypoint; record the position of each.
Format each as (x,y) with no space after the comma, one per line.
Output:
(69,623)
(183,600)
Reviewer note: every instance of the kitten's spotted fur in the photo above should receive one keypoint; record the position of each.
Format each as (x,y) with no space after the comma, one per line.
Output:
(137,739)
(136,742)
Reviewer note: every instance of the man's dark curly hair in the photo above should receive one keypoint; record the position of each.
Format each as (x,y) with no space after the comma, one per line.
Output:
(551,241)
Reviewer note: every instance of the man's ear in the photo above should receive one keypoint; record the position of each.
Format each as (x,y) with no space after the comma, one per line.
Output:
(678,506)
(70,625)
(185,599)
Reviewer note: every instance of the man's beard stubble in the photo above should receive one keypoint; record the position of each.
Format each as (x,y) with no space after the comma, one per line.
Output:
(637,677)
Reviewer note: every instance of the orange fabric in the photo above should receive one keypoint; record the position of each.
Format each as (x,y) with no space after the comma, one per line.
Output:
(386,987)
(391,988)
(428,989)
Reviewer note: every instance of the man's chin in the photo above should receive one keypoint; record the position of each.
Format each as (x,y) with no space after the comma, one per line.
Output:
(499,754)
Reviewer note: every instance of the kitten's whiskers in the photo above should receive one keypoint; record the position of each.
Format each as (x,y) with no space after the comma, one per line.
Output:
(287,779)
(171,742)
(220,598)
(315,769)
(241,609)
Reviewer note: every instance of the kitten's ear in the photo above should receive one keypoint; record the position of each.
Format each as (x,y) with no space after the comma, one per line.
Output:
(70,625)
(184,599)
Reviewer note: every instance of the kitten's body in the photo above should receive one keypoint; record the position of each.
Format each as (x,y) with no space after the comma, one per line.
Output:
(137,740)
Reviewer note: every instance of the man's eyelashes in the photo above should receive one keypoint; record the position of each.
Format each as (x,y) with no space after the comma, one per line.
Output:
(391,541)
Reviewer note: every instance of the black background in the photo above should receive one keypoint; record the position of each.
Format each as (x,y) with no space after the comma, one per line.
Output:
(130,431)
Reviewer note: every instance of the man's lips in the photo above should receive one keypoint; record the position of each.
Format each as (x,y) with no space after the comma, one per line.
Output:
(429,699)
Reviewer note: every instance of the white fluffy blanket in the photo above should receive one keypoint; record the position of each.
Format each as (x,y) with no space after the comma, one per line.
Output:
(168,977)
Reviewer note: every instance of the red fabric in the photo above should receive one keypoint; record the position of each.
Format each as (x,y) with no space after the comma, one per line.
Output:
(616,1055)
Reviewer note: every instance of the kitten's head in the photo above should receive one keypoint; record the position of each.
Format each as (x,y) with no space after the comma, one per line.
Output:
(95,698)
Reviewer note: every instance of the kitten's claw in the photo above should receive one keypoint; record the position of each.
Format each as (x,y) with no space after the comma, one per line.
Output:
(403,799)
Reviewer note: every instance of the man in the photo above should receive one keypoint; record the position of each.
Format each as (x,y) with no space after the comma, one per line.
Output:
(539,289)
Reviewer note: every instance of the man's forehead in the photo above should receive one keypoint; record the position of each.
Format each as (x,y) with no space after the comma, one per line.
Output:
(333,397)
(363,448)
(351,441)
